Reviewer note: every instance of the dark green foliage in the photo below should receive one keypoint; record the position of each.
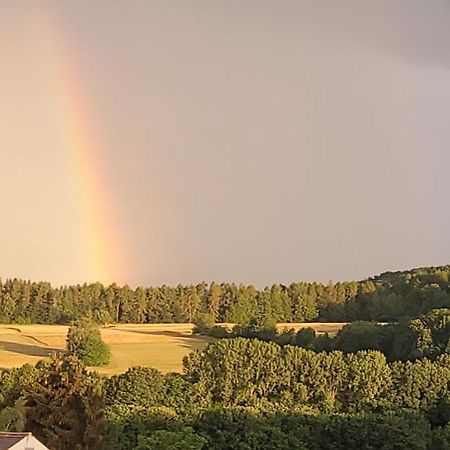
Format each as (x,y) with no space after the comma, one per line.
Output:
(85,342)
(137,387)
(360,336)
(14,381)
(237,394)
(237,429)
(425,336)
(439,413)
(324,343)
(204,321)
(372,386)
(391,339)
(184,439)
(13,418)
(384,298)
(217,332)
(306,338)
(65,407)
(249,372)
(183,396)
(142,401)
(369,432)
(264,332)
(431,333)
(129,424)
(247,429)
(440,438)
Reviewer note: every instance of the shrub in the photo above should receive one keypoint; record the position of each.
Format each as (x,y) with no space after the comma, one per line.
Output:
(184,439)
(218,332)
(306,338)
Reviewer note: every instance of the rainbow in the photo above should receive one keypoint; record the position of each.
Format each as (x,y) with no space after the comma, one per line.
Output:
(100,237)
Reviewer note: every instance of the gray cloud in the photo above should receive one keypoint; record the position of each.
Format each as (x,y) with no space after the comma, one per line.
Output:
(253,141)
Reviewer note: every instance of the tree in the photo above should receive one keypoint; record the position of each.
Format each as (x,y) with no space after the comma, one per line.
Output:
(65,406)
(214,300)
(203,322)
(137,387)
(245,307)
(85,342)
(236,371)
(432,333)
(304,305)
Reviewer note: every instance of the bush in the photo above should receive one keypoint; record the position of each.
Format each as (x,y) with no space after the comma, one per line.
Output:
(306,338)
(218,332)
(255,331)
(184,439)
(85,342)
(360,336)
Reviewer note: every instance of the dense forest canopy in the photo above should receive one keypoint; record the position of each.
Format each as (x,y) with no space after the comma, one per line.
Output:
(387,297)
(237,394)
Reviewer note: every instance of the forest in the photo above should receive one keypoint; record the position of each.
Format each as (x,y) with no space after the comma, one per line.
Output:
(384,298)
(382,382)
(237,394)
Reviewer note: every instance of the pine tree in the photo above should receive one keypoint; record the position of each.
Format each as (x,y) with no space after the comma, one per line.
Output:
(65,407)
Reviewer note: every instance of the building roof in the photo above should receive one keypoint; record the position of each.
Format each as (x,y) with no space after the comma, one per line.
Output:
(7,439)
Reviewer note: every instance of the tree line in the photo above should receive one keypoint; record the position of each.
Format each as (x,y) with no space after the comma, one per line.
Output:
(384,298)
(409,339)
(236,394)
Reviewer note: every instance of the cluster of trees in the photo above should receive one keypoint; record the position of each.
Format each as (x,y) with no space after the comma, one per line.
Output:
(236,394)
(387,297)
(424,336)
(264,375)
(371,386)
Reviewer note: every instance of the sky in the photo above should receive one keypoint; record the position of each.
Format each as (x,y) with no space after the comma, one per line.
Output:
(161,142)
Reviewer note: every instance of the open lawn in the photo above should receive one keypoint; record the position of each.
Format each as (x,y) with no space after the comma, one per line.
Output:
(161,346)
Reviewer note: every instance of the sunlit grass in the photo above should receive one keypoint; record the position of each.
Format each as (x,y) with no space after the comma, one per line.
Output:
(162,346)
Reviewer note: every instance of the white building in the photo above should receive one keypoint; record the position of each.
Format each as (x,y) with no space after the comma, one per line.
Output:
(20,441)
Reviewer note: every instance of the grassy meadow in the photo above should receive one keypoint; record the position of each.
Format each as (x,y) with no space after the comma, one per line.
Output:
(161,346)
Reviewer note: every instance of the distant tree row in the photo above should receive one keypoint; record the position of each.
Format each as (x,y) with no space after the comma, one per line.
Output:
(424,336)
(409,339)
(387,297)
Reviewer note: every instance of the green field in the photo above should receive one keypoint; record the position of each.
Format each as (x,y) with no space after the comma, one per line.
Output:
(161,346)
